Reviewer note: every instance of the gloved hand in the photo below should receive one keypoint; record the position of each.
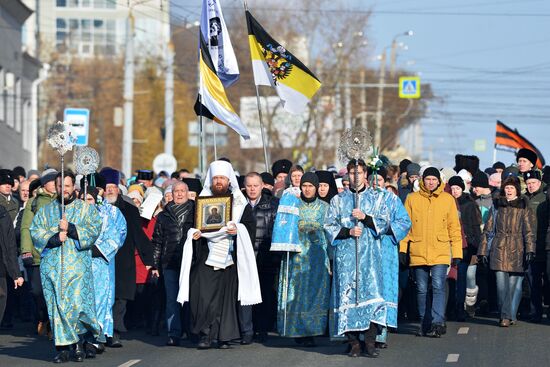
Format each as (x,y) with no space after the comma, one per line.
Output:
(455,262)
(403,260)
(530,257)
(482,259)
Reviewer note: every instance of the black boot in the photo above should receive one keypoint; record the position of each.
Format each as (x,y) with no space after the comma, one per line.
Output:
(204,342)
(370,341)
(78,354)
(90,351)
(62,356)
(114,341)
(436,331)
(354,344)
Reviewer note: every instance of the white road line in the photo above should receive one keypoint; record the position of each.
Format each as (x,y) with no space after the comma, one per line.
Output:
(452,358)
(131,362)
(463,330)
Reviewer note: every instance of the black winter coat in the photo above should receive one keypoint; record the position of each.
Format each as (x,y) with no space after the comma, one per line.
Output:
(470,215)
(125,261)
(170,235)
(265,212)
(8,247)
(539,205)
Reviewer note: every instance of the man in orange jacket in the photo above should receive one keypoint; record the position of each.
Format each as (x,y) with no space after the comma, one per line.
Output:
(433,242)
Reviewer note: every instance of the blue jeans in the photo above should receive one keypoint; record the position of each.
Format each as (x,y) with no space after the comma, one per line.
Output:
(509,287)
(173,308)
(438,274)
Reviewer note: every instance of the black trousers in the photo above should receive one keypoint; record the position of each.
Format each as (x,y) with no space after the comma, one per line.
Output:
(3,296)
(265,314)
(119,310)
(33,274)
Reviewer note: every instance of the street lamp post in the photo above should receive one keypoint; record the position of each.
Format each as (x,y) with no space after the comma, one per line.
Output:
(393,55)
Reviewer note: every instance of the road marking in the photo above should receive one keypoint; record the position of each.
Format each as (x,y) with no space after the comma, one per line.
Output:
(452,358)
(463,330)
(131,362)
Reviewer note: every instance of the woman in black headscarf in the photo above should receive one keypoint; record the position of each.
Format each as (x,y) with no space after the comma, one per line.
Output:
(327,186)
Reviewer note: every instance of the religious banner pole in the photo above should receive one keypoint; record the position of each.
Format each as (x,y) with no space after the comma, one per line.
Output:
(61,139)
(354,145)
(215,143)
(286,291)
(86,163)
(262,129)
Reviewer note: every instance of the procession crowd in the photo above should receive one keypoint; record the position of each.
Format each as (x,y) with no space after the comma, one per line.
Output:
(231,258)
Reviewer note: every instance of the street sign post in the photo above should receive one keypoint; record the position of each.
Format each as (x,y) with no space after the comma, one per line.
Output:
(79,122)
(409,87)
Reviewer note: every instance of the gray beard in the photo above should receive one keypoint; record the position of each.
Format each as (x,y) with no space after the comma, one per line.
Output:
(111,200)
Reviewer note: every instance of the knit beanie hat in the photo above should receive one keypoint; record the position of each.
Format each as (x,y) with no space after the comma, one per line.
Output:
(457,181)
(431,171)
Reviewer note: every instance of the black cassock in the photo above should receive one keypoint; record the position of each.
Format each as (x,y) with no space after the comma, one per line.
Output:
(213,293)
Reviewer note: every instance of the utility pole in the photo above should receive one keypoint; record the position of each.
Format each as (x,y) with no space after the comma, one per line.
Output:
(363,97)
(347,100)
(128,130)
(169,101)
(379,105)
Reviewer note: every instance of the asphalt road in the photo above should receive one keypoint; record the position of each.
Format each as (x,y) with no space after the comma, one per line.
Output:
(476,343)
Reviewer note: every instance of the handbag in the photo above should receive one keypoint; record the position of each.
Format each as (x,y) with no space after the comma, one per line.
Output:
(491,235)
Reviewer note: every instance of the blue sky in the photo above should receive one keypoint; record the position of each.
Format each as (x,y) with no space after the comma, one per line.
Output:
(489,59)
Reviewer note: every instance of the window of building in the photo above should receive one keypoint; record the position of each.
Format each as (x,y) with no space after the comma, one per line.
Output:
(9,88)
(17,104)
(98,4)
(87,36)
(27,125)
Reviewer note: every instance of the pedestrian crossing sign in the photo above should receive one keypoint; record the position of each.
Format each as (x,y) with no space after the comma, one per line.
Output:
(409,87)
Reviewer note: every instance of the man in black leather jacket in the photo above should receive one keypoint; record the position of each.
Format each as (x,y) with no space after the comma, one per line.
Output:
(168,239)
(264,208)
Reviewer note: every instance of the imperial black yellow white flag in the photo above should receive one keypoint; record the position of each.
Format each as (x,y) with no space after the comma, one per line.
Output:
(273,65)
(212,102)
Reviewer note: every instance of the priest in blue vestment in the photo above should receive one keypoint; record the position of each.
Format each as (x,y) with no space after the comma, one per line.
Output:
(65,243)
(113,234)
(358,303)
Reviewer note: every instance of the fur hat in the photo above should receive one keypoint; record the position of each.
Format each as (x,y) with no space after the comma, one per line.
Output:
(510,181)
(281,166)
(536,174)
(6,177)
(467,162)
(527,154)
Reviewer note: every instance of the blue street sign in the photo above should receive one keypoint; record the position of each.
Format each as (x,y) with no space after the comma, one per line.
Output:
(409,87)
(79,121)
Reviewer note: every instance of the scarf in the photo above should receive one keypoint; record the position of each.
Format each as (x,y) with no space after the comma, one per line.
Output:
(249,283)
